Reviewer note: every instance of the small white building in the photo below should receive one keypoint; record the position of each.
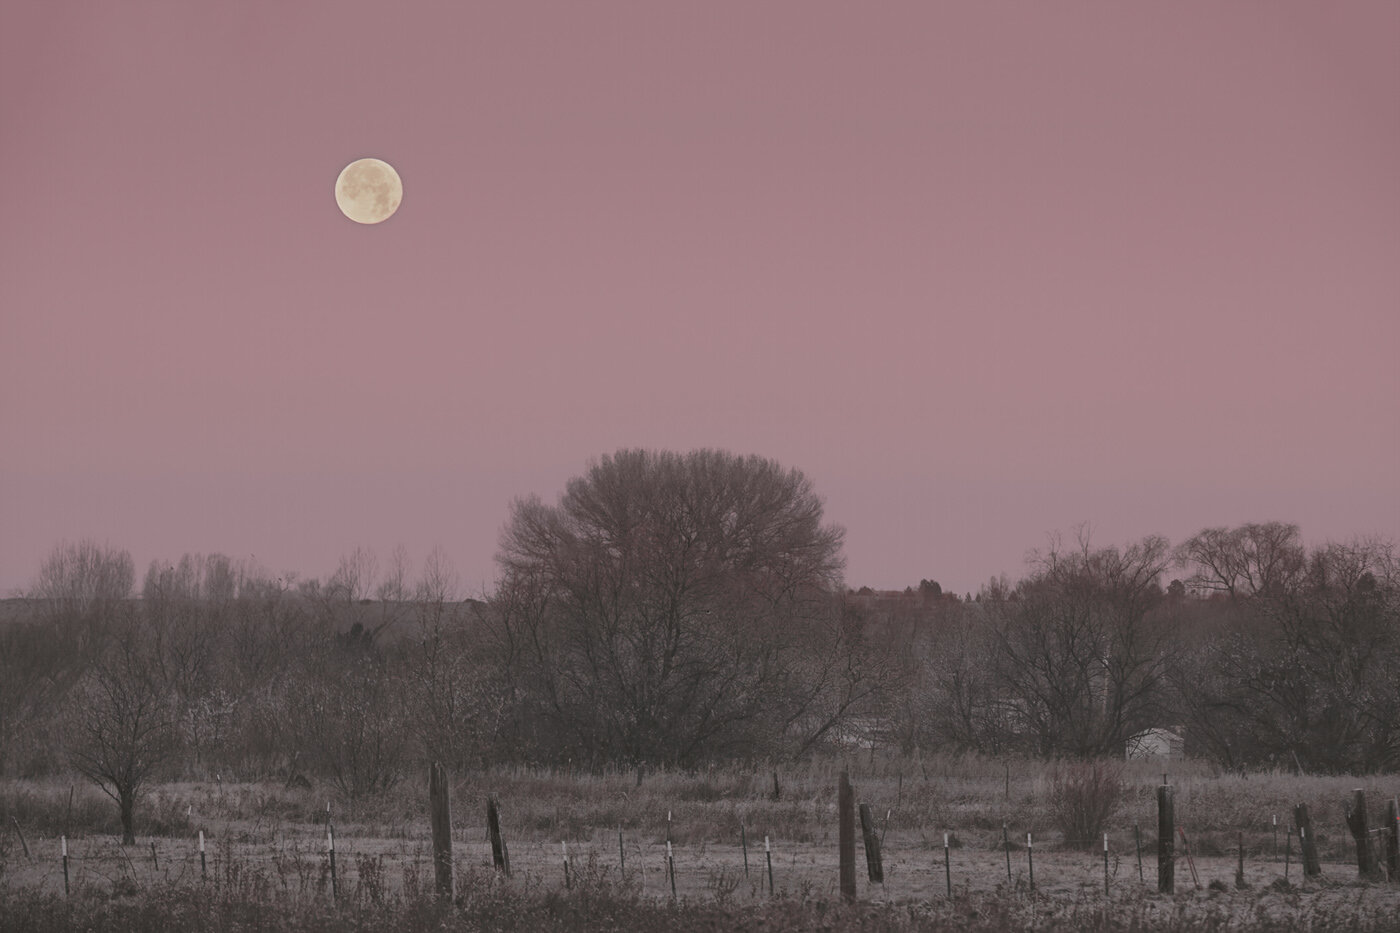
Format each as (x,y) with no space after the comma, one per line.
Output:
(1158,743)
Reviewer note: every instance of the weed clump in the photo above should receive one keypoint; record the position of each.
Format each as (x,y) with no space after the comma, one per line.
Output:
(1084,796)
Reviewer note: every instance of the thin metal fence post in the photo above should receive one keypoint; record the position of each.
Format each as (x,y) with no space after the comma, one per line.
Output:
(947,866)
(1105,864)
(768,854)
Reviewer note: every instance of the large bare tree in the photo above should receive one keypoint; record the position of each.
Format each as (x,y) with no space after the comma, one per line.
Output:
(660,611)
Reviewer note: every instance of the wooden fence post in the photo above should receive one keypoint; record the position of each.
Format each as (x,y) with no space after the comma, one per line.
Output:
(1307,841)
(846,837)
(1166,831)
(440,815)
(873,865)
(1366,865)
(499,856)
(1392,839)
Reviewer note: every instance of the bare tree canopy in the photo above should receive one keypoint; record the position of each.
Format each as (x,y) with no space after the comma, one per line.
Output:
(657,612)
(84,580)
(1082,667)
(1304,672)
(1252,559)
(125,720)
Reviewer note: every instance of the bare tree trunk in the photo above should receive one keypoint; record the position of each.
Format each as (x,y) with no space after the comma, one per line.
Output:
(127,800)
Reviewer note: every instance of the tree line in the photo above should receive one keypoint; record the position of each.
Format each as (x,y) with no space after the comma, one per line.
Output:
(1261,653)
(674,609)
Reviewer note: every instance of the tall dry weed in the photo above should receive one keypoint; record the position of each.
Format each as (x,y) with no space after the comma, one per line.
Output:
(1084,796)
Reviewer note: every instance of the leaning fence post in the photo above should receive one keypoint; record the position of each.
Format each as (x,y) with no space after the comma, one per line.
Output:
(499,857)
(19,832)
(873,865)
(1166,830)
(1356,820)
(1137,843)
(744,844)
(671,868)
(846,837)
(568,881)
(1186,851)
(63,843)
(1006,844)
(203,868)
(1307,841)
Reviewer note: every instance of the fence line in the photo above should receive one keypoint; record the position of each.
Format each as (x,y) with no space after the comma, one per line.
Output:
(1255,855)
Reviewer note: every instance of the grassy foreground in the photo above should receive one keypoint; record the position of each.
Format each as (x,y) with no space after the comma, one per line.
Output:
(484,904)
(268,868)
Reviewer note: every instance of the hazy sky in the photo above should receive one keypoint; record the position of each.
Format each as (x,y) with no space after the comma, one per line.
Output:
(981,270)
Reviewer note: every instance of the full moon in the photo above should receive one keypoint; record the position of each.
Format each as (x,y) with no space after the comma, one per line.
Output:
(368,191)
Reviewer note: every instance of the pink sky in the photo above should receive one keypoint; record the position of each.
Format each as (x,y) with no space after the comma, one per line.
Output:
(983,271)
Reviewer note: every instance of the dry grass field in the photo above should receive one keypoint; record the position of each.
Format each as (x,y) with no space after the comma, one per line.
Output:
(266,859)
